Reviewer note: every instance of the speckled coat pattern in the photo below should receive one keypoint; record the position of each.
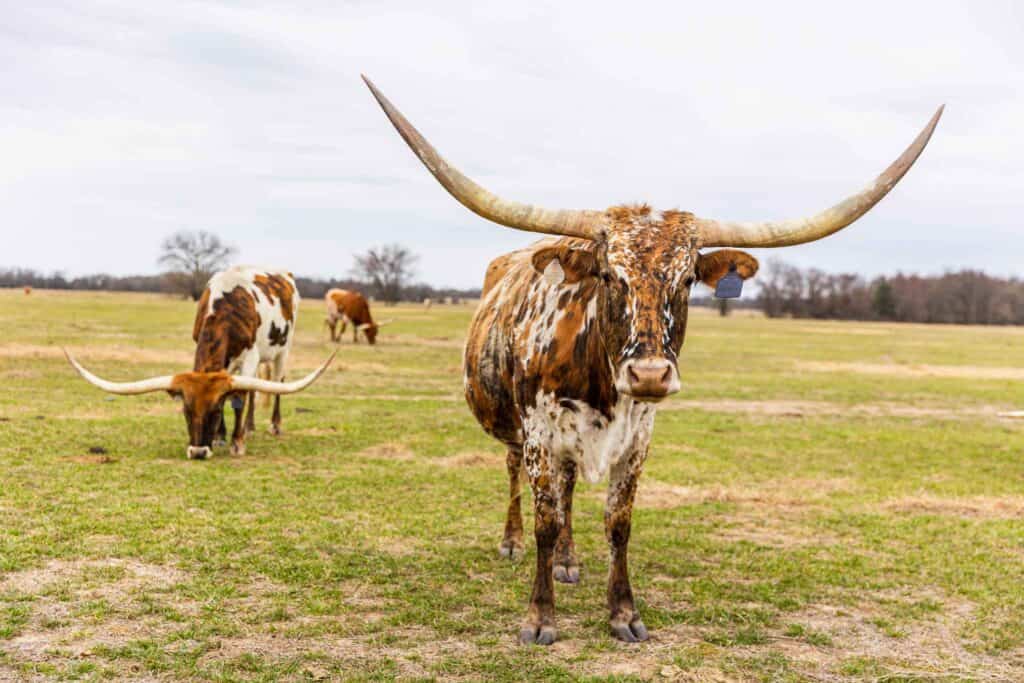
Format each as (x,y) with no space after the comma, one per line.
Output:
(544,362)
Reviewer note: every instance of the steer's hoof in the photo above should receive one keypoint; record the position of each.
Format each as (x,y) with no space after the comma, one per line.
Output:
(630,633)
(511,550)
(275,430)
(237,448)
(567,573)
(537,635)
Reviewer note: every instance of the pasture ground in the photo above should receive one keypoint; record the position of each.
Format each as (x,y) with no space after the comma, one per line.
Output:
(824,502)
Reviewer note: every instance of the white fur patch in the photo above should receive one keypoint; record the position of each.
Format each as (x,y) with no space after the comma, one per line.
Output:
(587,437)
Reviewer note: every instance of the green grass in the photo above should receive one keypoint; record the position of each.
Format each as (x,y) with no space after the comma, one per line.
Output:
(797,519)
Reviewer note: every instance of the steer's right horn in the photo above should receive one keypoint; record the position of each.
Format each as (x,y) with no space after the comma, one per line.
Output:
(125,388)
(242,383)
(573,223)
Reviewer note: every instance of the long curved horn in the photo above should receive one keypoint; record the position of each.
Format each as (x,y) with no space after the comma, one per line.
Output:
(382,323)
(786,233)
(574,223)
(124,388)
(240,383)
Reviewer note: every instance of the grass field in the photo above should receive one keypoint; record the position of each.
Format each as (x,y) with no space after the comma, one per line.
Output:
(823,501)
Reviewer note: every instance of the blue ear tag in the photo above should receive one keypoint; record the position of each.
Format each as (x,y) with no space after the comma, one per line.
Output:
(730,286)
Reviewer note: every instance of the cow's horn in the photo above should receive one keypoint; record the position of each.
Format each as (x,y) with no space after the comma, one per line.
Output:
(241,383)
(126,388)
(382,323)
(574,223)
(785,233)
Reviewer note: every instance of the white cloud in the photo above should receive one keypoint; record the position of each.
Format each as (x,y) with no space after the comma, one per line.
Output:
(121,122)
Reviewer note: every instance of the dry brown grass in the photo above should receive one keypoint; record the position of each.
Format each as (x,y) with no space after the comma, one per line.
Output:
(981,507)
(915,370)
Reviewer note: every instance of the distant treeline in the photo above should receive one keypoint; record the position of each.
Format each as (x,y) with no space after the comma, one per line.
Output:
(965,297)
(308,287)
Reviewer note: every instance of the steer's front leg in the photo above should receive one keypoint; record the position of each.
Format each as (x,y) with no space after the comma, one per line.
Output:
(618,513)
(539,626)
(567,567)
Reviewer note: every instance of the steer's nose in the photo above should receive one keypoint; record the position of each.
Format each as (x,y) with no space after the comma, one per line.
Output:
(650,379)
(198,452)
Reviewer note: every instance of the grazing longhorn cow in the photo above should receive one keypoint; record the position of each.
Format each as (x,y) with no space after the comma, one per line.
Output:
(575,341)
(346,307)
(246,316)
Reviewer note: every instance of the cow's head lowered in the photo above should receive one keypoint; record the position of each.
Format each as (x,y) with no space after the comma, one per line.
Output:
(202,395)
(643,262)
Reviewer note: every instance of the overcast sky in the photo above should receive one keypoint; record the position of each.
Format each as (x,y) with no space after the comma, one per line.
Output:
(121,122)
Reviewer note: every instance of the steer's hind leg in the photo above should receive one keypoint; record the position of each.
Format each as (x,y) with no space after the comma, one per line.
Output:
(618,514)
(512,545)
(539,625)
(567,567)
(275,418)
(238,436)
(250,413)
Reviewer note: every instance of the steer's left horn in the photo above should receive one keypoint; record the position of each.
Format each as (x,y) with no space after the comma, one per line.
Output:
(240,383)
(574,223)
(797,231)
(382,323)
(124,388)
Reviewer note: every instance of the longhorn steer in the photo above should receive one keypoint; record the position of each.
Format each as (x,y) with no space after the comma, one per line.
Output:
(245,317)
(575,341)
(346,306)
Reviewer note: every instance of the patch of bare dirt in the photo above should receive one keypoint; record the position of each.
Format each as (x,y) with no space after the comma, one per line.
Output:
(780,408)
(915,370)
(472,459)
(80,606)
(171,357)
(847,330)
(981,507)
(660,495)
(925,647)
(773,531)
(390,450)
(64,625)
(91,459)
(445,398)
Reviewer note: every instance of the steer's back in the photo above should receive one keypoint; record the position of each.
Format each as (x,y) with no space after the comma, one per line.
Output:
(246,311)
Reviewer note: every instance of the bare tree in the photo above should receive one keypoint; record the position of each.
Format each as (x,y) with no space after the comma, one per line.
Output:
(191,258)
(387,269)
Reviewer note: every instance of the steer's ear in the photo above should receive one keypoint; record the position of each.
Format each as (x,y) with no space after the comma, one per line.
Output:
(714,265)
(575,264)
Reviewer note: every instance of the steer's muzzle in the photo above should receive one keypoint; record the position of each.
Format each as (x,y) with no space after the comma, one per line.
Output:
(648,379)
(198,452)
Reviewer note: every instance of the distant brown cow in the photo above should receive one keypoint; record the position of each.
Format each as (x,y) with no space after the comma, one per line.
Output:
(346,306)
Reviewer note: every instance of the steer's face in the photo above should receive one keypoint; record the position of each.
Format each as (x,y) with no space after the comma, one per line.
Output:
(645,265)
(202,396)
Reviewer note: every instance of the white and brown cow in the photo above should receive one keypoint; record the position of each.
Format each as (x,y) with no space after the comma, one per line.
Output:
(245,318)
(575,341)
